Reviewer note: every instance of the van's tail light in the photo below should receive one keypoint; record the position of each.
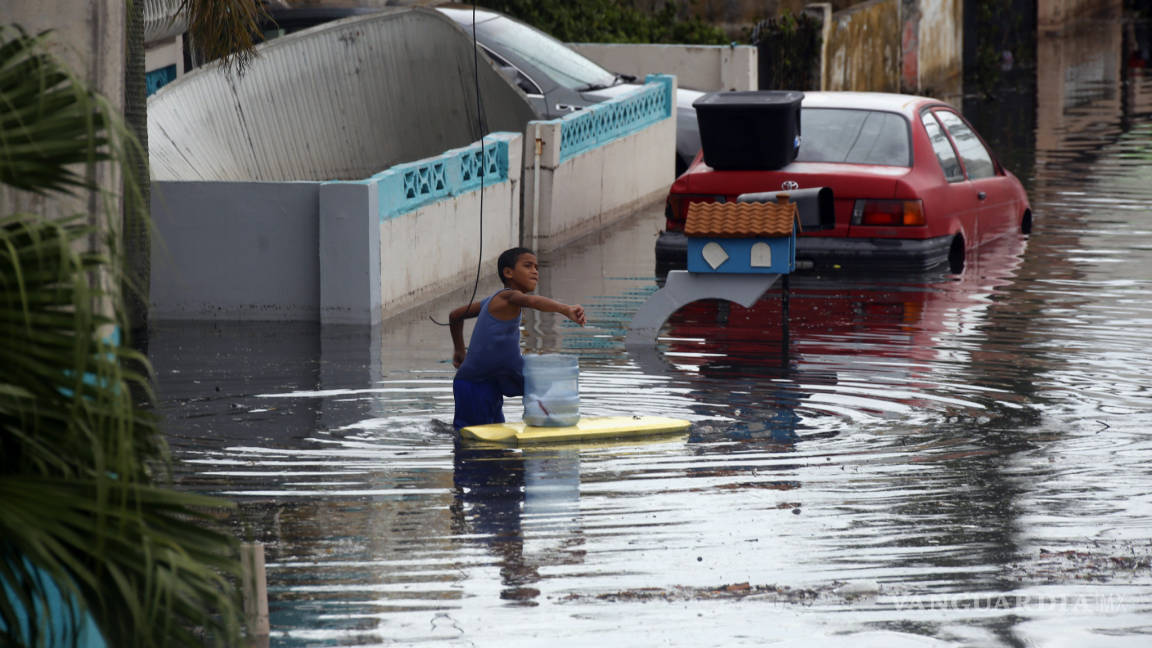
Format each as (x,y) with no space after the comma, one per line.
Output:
(888,213)
(676,208)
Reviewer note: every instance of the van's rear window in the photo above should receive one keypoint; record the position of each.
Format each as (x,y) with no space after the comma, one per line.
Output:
(856,136)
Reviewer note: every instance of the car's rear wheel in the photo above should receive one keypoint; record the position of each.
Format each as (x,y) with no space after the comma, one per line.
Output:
(956,255)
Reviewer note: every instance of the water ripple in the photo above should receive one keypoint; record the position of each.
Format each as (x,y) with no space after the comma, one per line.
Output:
(937,460)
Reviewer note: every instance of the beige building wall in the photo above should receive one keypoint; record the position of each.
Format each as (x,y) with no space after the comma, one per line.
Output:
(89,36)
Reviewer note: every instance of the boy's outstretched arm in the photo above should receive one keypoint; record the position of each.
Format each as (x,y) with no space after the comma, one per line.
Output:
(574,312)
(456,327)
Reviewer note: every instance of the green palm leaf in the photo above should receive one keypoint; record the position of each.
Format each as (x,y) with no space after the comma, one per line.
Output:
(81,504)
(47,122)
(77,498)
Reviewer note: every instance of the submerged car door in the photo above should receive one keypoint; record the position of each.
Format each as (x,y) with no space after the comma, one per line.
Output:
(986,179)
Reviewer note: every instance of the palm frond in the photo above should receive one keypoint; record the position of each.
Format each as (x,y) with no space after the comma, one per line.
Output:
(80,505)
(47,123)
(134,597)
(224,29)
(77,498)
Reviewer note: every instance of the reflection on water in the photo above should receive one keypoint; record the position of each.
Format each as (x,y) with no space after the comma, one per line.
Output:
(950,459)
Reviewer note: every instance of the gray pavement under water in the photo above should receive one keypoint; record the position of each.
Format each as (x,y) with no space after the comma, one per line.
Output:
(914,461)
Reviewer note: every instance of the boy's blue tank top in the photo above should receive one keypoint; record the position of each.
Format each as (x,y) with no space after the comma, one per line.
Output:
(494,353)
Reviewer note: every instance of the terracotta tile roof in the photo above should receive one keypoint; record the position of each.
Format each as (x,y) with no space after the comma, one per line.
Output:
(741,219)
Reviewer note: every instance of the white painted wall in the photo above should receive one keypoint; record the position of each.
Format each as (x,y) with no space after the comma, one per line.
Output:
(435,248)
(596,187)
(307,251)
(698,67)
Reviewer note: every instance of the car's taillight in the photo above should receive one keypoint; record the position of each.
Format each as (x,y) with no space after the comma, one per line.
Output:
(676,208)
(888,213)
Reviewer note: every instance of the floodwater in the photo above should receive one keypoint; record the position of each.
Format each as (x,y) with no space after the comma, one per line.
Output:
(960,460)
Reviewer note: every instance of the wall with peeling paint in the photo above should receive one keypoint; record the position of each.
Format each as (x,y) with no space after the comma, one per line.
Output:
(940,49)
(864,48)
(912,46)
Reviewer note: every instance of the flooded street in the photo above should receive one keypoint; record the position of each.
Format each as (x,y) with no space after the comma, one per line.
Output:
(960,460)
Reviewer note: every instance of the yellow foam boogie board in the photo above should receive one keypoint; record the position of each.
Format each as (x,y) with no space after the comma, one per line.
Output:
(588,428)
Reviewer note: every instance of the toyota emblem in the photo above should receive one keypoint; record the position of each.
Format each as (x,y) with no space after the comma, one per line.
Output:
(790,185)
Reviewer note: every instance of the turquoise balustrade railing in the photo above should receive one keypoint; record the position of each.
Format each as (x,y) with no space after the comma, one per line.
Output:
(407,186)
(603,122)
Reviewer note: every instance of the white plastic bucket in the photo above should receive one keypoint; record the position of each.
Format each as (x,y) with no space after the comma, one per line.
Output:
(551,389)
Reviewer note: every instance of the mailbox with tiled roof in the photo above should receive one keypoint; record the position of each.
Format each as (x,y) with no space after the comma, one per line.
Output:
(742,237)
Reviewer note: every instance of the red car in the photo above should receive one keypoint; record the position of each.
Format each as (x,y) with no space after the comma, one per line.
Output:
(915,187)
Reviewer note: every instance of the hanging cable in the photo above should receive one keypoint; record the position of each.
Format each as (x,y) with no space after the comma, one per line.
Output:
(483,161)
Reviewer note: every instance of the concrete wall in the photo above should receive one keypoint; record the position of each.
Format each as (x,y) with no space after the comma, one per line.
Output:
(354,252)
(341,100)
(699,67)
(358,251)
(336,252)
(89,37)
(932,43)
(235,250)
(568,196)
(864,48)
(377,261)
(913,46)
(448,234)
(823,12)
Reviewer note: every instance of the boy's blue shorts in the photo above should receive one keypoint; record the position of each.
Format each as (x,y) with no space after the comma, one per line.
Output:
(477,403)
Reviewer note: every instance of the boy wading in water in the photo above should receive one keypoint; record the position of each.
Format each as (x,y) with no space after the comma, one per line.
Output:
(492,366)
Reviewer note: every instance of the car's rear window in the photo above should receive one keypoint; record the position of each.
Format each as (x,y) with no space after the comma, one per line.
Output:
(856,136)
